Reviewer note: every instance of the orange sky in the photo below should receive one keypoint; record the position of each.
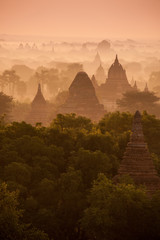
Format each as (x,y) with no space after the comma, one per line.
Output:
(81,18)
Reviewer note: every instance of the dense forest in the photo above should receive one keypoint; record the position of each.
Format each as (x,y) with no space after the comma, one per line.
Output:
(56,181)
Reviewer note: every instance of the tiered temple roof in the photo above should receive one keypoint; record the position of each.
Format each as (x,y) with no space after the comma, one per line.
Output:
(116,84)
(82,98)
(137,162)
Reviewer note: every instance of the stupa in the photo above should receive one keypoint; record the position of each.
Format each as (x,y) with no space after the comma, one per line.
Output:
(82,99)
(146,88)
(135,88)
(97,61)
(39,109)
(100,75)
(137,162)
(94,82)
(116,84)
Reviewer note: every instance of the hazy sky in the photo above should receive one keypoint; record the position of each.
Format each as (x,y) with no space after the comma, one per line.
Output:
(81,18)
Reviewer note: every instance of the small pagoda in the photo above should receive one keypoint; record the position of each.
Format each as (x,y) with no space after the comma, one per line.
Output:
(39,109)
(137,162)
(100,74)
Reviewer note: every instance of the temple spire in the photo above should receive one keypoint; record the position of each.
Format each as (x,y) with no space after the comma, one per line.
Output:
(146,88)
(39,88)
(116,60)
(39,98)
(137,132)
(135,86)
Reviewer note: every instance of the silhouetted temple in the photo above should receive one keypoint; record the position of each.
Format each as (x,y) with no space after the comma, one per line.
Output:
(97,60)
(82,98)
(94,82)
(39,109)
(137,162)
(135,86)
(100,74)
(146,88)
(116,84)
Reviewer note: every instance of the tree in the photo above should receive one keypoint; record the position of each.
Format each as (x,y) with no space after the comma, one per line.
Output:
(3,82)
(21,88)
(10,225)
(91,164)
(11,78)
(69,74)
(151,129)
(5,103)
(116,122)
(42,77)
(134,100)
(71,121)
(120,212)
(154,79)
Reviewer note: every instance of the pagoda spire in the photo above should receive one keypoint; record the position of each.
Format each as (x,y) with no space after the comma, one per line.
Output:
(146,88)
(39,98)
(137,162)
(116,60)
(135,86)
(39,88)
(137,132)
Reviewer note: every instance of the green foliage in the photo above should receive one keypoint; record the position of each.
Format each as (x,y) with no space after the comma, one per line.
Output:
(151,128)
(119,212)
(69,121)
(92,163)
(10,224)
(116,122)
(53,169)
(5,103)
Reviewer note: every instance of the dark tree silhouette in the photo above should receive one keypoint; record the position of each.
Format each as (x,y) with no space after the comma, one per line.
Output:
(5,103)
(131,101)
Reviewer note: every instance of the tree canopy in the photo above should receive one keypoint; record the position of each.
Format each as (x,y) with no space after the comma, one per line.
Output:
(56,181)
(133,100)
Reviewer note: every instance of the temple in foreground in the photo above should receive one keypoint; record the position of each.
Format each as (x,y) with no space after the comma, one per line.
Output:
(137,162)
(82,99)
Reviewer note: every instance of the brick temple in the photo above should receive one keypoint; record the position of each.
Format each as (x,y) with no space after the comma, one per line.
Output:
(82,99)
(116,84)
(137,162)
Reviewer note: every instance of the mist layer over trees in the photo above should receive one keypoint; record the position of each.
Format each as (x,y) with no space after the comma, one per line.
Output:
(56,178)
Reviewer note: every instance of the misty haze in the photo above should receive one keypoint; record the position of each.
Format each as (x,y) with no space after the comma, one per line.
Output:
(79,120)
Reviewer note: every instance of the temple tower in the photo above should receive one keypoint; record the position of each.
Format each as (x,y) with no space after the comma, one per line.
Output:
(146,88)
(94,82)
(82,99)
(116,84)
(97,61)
(39,109)
(135,87)
(137,162)
(100,75)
